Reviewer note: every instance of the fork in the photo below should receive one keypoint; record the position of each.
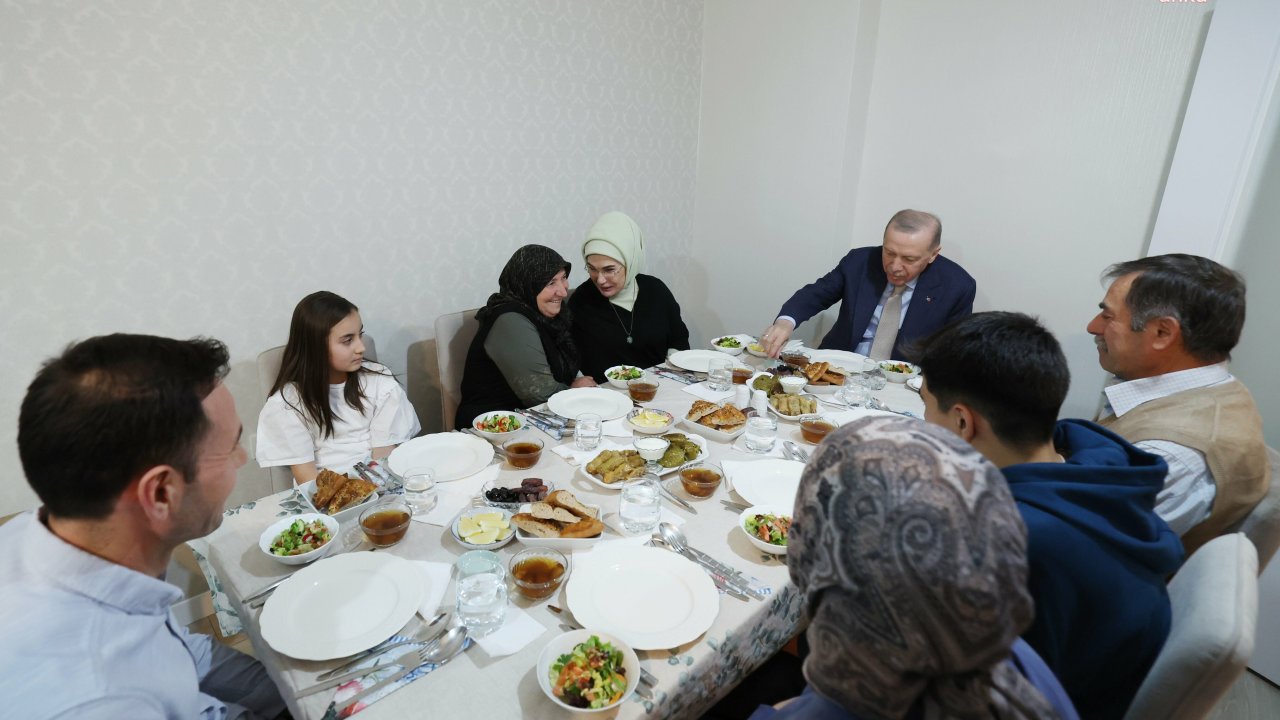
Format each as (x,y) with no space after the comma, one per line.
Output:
(412,658)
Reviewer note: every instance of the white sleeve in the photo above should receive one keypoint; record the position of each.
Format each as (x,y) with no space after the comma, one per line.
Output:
(393,420)
(283,437)
(1189,490)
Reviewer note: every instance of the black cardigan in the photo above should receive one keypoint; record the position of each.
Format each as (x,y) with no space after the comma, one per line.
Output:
(602,339)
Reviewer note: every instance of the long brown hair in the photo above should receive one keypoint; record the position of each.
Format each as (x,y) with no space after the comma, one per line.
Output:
(306,358)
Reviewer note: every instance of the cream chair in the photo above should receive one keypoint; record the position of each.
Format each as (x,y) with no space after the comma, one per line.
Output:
(1215,607)
(454,333)
(1262,524)
(268,368)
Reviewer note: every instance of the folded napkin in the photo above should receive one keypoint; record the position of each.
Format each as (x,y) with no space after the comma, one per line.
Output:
(572,455)
(518,630)
(437,575)
(454,496)
(700,390)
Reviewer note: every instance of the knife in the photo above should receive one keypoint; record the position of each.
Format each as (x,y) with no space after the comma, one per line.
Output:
(551,430)
(732,576)
(547,418)
(399,674)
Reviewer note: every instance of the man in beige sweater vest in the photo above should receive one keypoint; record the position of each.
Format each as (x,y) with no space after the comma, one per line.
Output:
(1166,329)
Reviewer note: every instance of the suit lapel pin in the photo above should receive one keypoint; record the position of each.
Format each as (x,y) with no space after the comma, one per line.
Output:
(928,298)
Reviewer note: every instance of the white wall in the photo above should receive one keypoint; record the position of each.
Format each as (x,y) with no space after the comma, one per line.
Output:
(195,168)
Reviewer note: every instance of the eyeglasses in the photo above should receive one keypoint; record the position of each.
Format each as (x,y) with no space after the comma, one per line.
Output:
(610,272)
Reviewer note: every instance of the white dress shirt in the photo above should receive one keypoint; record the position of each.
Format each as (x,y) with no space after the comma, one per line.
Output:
(82,637)
(1189,489)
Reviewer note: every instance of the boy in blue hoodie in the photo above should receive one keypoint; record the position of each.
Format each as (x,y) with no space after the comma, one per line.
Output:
(1097,551)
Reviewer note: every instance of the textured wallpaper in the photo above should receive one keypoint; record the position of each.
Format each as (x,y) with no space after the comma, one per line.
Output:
(185,168)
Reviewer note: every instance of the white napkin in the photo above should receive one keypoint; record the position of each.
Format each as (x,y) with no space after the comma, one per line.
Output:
(572,455)
(437,580)
(518,630)
(741,446)
(700,390)
(616,428)
(452,497)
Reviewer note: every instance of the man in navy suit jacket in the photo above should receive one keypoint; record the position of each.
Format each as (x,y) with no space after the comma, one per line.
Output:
(937,291)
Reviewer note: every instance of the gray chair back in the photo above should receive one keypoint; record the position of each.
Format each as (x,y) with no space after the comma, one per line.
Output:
(1262,524)
(454,333)
(1215,609)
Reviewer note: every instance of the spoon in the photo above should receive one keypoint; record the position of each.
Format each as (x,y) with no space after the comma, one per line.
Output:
(428,632)
(451,645)
(722,575)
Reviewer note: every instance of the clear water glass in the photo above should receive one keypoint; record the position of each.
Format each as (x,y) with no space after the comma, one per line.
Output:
(872,376)
(855,392)
(719,374)
(761,434)
(420,490)
(587,430)
(640,504)
(481,591)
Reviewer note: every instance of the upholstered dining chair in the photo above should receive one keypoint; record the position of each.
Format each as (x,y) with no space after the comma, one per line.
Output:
(268,368)
(454,333)
(1262,524)
(1215,607)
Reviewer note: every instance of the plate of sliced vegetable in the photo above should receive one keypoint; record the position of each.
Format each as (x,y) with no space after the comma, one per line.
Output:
(767,527)
(588,671)
(299,539)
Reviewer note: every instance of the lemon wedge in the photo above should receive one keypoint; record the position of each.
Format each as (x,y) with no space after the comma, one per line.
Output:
(468,526)
(484,537)
(497,523)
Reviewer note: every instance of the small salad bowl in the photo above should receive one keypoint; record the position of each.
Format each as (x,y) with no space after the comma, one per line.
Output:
(892,370)
(624,373)
(564,645)
(749,515)
(488,425)
(731,348)
(277,528)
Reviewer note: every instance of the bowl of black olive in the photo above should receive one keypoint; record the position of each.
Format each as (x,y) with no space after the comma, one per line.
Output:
(510,494)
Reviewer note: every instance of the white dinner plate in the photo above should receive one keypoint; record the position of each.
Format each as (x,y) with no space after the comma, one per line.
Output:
(698,440)
(453,455)
(342,605)
(696,360)
(571,403)
(651,599)
(765,482)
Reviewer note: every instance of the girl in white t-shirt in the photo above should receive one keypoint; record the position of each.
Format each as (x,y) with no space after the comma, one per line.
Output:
(329,407)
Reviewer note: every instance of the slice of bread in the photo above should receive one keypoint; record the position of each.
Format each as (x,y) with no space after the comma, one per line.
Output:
(587,528)
(536,526)
(547,511)
(565,499)
(701,409)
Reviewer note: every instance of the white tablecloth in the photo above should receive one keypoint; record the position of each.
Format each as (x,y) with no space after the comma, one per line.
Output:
(691,678)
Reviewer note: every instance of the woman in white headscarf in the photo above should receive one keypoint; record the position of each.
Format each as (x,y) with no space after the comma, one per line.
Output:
(910,554)
(620,316)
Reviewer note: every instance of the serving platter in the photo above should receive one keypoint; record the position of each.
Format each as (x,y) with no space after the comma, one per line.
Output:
(698,440)
(564,545)
(651,599)
(453,455)
(342,605)
(571,403)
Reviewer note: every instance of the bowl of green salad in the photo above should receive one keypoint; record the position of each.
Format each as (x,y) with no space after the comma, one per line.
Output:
(299,539)
(619,375)
(767,527)
(588,671)
(731,344)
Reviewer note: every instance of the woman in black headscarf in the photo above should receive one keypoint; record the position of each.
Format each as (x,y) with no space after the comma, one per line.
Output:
(910,554)
(523,352)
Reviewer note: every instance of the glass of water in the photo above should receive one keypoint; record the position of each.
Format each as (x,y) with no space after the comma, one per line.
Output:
(420,490)
(761,434)
(640,504)
(587,429)
(482,592)
(872,376)
(720,374)
(855,392)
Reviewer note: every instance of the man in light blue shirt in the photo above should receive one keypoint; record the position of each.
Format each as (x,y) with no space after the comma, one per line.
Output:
(132,443)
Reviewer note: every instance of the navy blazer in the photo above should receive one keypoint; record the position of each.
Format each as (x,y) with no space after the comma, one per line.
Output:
(944,292)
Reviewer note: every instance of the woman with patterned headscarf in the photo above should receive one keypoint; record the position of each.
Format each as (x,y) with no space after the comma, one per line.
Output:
(910,555)
(620,316)
(523,352)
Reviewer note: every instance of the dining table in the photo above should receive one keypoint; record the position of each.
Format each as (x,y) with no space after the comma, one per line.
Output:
(690,678)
